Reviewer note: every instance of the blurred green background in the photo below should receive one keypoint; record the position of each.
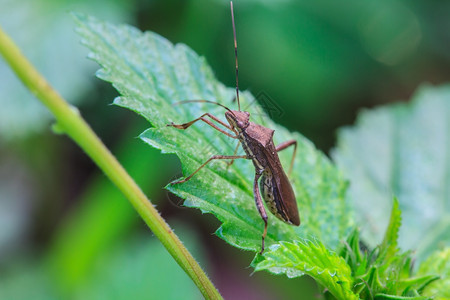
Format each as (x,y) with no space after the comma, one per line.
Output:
(66,232)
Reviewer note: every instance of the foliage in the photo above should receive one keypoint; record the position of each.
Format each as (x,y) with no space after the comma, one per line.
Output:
(437,263)
(309,258)
(384,272)
(151,75)
(401,150)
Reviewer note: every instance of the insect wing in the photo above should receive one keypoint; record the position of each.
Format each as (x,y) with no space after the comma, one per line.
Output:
(283,186)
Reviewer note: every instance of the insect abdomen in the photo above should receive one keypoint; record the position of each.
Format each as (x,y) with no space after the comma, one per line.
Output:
(271,196)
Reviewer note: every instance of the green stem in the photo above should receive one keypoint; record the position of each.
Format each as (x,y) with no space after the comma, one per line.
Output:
(70,121)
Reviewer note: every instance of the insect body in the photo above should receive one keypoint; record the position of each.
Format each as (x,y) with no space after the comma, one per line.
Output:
(257,142)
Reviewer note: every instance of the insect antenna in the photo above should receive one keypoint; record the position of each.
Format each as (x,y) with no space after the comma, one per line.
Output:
(203,101)
(236,56)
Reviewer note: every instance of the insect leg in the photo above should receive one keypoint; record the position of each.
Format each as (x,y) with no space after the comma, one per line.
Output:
(260,206)
(210,159)
(202,118)
(234,153)
(283,146)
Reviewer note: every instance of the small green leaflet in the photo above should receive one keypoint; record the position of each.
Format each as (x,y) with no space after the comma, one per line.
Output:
(313,259)
(384,272)
(438,263)
(151,74)
(388,247)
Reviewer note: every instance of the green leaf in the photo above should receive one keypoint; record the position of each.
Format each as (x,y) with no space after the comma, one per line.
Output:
(310,258)
(151,75)
(417,283)
(372,281)
(437,264)
(403,150)
(351,252)
(392,297)
(388,247)
(384,272)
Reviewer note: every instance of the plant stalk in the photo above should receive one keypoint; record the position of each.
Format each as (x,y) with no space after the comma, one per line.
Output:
(70,122)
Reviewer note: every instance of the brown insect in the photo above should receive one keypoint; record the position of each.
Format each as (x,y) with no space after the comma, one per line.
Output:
(257,142)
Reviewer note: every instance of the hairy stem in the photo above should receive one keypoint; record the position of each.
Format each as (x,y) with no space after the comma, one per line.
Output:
(71,123)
